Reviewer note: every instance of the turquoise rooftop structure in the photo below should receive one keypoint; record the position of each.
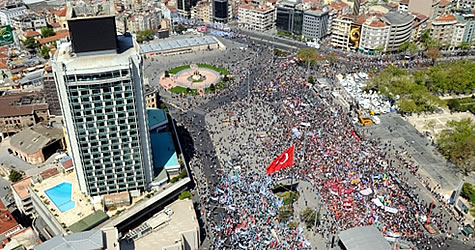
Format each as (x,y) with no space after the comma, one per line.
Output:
(163,149)
(156,118)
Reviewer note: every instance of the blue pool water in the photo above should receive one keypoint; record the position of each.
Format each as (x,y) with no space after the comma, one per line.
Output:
(60,195)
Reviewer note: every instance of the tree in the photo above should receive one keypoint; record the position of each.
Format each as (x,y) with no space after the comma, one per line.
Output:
(184,195)
(379,49)
(465,46)
(308,216)
(309,55)
(15,176)
(212,88)
(468,192)
(311,80)
(144,35)
(408,46)
(46,32)
(44,51)
(30,43)
(433,53)
(457,144)
(425,36)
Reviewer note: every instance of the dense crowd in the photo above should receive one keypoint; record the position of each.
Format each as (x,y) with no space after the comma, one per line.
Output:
(355,177)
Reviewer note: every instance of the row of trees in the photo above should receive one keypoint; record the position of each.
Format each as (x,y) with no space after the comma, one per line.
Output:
(401,86)
(417,91)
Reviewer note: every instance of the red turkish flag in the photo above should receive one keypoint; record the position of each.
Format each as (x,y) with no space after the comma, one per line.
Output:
(284,160)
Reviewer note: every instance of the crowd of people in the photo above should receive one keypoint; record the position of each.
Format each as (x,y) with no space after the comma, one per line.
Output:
(361,181)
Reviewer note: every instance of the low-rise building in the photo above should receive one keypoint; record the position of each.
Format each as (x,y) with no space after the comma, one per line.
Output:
(256,17)
(60,36)
(151,97)
(36,144)
(181,46)
(50,92)
(24,110)
(73,213)
(88,240)
(117,200)
(174,228)
(22,197)
(8,225)
(24,239)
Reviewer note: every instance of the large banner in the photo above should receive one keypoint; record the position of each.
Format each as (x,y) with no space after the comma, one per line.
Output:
(354,37)
(6,35)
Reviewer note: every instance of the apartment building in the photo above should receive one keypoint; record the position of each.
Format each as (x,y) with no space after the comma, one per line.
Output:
(419,26)
(468,17)
(315,23)
(374,35)
(256,17)
(443,28)
(401,29)
(289,17)
(8,12)
(29,21)
(340,32)
(203,11)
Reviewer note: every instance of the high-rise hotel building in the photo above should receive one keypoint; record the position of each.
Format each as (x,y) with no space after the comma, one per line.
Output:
(99,78)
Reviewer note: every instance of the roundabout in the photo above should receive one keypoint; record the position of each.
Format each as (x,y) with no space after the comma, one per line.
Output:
(194,79)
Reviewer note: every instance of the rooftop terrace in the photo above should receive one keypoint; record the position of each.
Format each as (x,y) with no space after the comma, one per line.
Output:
(82,208)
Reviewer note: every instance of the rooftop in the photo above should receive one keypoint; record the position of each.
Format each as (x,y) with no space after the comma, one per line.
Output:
(21,187)
(89,240)
(26,237)
(156,118)
(21,104)
(7,221)
(363,238)
(82,208)
(163,150)
(33,139)
(59,35)
(49,173)
(90,64)
(177,43)
(182,220)
(31,33)
(445,18)
(398,18)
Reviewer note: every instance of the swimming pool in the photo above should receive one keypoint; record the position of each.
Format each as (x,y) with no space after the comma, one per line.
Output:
(60,195)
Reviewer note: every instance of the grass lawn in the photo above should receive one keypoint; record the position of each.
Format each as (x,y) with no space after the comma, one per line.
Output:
(178,69)
(181,90)
(220,70)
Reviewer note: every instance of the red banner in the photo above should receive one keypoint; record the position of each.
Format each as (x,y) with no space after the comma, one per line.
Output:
(284,160)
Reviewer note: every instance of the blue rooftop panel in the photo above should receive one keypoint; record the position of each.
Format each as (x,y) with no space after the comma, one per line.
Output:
(156,117)
(163,150)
